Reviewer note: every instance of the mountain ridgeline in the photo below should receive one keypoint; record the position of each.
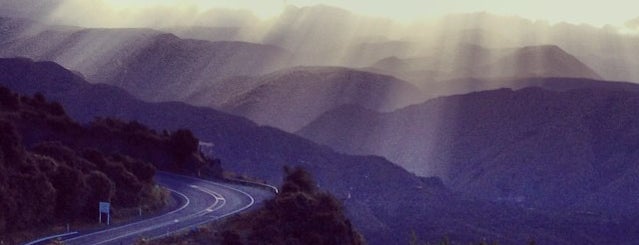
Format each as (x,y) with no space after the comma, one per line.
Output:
(245,79)
(179,67)
(299,95)
(479,62)
(469,68)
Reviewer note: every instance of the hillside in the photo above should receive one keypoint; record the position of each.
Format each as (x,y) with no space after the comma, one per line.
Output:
(150,64)
(382,200)
(299,95)
(570,150)
(55,171)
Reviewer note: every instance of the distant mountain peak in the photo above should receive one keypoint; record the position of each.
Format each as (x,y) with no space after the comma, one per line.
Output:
(547,61)
(548,49)
(392,62)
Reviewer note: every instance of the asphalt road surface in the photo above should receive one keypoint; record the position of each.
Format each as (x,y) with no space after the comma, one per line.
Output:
(202,202)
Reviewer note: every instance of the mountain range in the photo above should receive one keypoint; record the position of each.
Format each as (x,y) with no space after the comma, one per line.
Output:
(568,149)
(236,77)
(252,79)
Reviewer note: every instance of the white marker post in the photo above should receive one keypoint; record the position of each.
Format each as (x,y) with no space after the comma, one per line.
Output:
(105,208)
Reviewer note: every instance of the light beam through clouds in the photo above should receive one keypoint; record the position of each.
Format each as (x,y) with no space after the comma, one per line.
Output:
(596,13)
(443,47)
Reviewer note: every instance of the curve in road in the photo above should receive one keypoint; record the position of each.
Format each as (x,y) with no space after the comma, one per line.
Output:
(203,201)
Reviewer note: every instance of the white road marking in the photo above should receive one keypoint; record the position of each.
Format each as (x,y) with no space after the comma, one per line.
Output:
(51,237)
(252,202)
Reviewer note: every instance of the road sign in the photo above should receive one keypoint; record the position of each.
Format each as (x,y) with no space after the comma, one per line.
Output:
(104,207)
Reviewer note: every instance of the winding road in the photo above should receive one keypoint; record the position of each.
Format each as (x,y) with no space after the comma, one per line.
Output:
(202,202)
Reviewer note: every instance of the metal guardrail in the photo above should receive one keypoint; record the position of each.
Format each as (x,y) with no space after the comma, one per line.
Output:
(271,188)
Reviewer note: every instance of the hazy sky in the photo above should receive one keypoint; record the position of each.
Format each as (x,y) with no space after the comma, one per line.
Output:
(598,12)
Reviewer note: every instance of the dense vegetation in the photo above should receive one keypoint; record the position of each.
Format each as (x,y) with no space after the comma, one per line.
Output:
(39,121)
(53,170)
(299,214)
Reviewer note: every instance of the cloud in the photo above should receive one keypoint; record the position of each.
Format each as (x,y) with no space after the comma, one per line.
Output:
(226,17)
(100,13)
(30,9)
(633,24)
(104,13)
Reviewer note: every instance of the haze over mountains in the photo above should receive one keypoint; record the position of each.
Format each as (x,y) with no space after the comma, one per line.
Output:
(471,126)
(233,76)
(301,94)
(156,66)
(347,39)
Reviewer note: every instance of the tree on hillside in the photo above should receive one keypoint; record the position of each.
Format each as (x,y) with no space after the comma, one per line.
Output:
(72,192)
(9,100)
(103,190)
(183,143)
(10,146)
